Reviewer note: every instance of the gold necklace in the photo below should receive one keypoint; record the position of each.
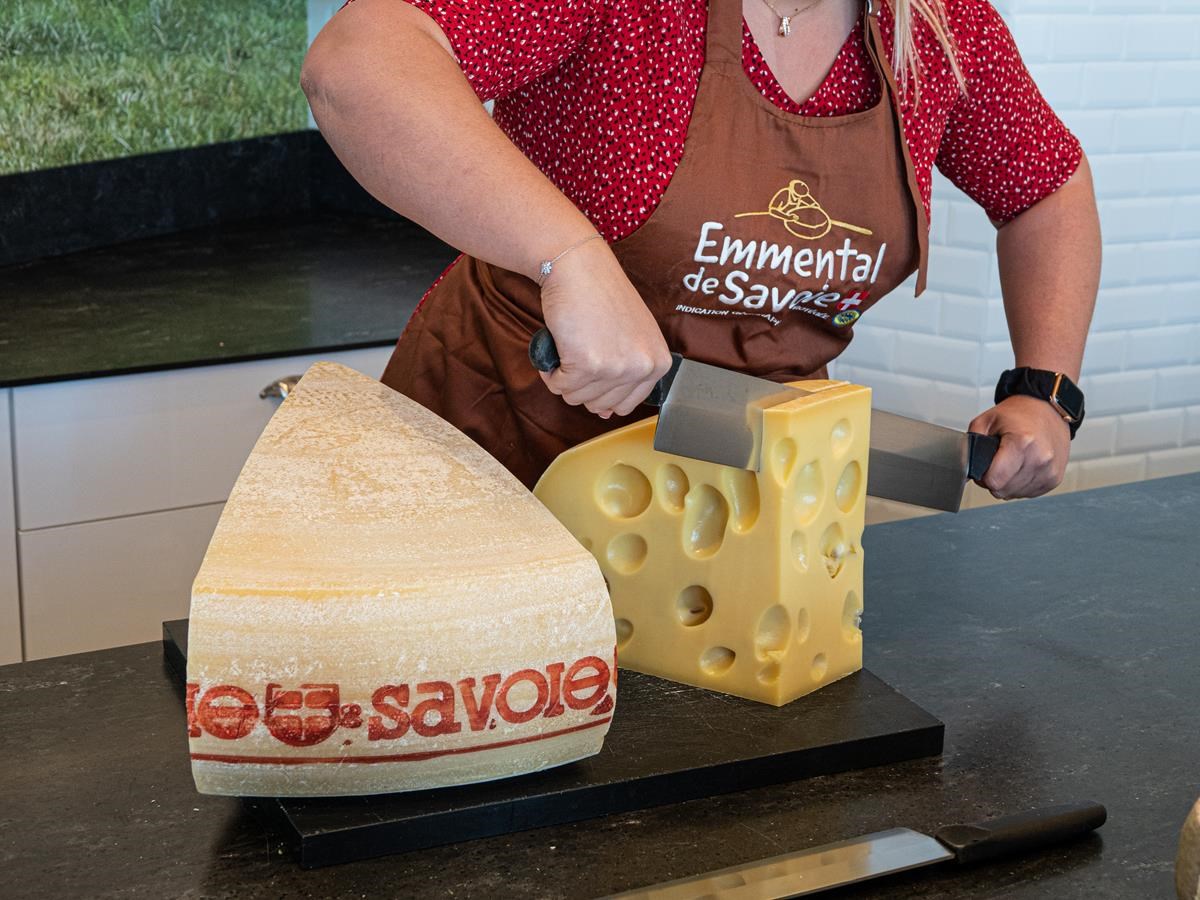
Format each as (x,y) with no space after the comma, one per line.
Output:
(785,22)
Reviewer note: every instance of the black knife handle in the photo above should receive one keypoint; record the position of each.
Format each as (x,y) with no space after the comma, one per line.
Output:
(543,353)
(1031,830)
(980,450)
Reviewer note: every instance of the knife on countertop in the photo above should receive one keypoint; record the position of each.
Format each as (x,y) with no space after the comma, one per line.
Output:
(715,414)
(882,853)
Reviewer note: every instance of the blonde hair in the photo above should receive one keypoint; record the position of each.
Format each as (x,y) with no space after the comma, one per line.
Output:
(905,60)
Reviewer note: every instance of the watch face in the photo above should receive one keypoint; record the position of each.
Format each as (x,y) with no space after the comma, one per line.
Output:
(1070,399)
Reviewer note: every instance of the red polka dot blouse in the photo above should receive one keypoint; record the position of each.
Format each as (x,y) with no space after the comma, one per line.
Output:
(598,94)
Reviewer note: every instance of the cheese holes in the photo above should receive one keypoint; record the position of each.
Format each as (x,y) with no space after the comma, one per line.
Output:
(717,661)
(705,516)
(852,618)
(624,632)
(769,674)
(741,487)
(803,626)
(693,606)
(841,436)
(783,460)
(623,492)
(820,665)
(800,549)
(672,483)
(772,634)
(835,549)
(806,493)
(849,487)
(627,552)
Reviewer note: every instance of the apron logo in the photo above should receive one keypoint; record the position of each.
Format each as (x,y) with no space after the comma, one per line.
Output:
(760,277)
(801,214)
(849,317)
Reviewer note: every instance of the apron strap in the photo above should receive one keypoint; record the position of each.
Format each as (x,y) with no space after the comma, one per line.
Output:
(723,41)
(883,67)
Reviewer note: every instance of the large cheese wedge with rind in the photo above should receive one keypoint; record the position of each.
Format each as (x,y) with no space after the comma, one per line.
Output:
(1187,859)
(383,607)
(749,583)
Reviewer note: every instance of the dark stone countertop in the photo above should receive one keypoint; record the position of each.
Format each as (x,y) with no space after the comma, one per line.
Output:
(1056,638)
(309,282)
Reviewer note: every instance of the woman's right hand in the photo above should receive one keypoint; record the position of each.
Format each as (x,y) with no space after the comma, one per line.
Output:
(611,349)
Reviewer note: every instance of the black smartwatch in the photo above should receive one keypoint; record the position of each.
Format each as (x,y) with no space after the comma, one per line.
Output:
(1054,387)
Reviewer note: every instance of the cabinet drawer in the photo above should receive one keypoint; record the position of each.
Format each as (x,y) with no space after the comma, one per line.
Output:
(10,604)
(104,584)
(106,447)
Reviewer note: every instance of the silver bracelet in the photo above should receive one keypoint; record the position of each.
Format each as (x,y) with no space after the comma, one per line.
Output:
(548,266)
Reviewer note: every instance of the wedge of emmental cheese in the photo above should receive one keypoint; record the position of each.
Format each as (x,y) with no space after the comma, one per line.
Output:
(744,582)
(383,607)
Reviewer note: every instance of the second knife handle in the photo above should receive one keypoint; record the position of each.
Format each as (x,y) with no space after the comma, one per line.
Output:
(1024,831)
(980,450)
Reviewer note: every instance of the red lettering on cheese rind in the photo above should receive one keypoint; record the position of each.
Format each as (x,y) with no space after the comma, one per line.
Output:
(442,706)
(554,674)
(297,730)
(227,721)
(538,680)
(192,724)
(389,701)
(478,712)
(574,683)
(606,705)
(418,756)
(229,712)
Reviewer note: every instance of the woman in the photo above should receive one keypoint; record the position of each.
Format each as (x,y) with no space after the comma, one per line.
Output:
(650,183)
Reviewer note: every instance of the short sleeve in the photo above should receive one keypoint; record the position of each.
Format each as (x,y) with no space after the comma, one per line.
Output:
(1003,145)
(503,46)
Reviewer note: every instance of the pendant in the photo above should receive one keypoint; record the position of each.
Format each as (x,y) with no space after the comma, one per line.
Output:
(785,26)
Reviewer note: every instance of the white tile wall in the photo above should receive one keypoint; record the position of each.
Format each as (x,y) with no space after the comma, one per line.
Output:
(1125,76)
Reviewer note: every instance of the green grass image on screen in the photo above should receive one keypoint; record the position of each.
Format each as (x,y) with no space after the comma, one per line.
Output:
(84,80)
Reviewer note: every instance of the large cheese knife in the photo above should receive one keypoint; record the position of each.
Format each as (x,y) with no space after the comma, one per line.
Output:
(883,853)
(715,414)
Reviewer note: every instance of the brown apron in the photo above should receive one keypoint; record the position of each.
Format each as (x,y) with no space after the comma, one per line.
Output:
(775,234)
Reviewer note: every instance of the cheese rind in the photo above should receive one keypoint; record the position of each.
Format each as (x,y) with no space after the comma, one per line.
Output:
(1187,859)
(383,607)
(742,582)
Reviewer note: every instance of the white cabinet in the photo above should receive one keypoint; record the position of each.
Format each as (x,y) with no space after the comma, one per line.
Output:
(132,444)
(10,597)
(119,484)
(112,582)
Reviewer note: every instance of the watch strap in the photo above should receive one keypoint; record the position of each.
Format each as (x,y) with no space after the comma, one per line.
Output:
(1038,383)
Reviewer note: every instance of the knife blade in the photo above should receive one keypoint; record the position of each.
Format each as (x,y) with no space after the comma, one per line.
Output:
(883,853)
(716,414)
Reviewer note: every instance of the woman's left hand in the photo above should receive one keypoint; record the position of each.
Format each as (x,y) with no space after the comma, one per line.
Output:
(1035,443)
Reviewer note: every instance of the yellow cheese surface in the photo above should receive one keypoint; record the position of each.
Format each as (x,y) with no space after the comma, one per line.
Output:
(383,607)
(742,582)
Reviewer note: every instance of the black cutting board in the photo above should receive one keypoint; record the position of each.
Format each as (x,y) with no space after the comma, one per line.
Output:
(668,743)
